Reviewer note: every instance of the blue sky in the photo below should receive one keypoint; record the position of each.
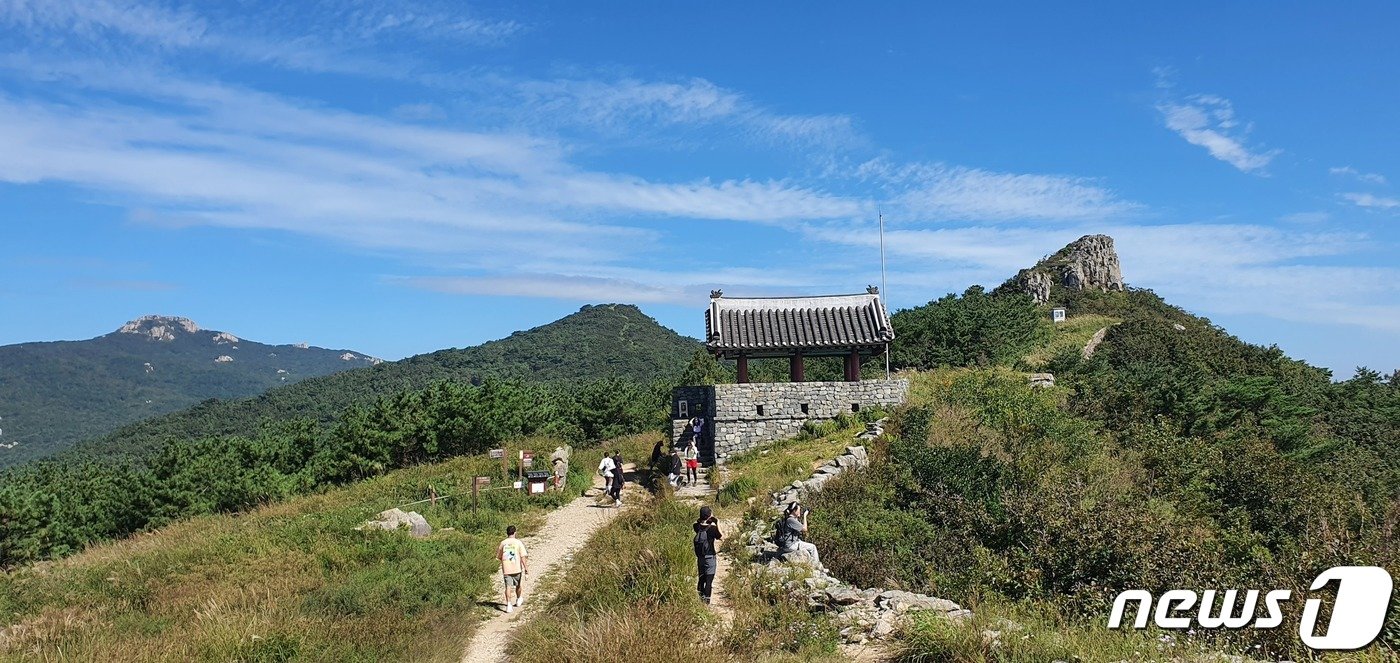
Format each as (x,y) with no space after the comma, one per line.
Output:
(399,178)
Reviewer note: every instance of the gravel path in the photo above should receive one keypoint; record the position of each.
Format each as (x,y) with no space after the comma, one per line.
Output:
(565,531)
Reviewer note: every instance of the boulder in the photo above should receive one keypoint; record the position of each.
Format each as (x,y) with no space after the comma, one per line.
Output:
(843,595)
(393,519)
(901,601)
(798,557)
(883,628)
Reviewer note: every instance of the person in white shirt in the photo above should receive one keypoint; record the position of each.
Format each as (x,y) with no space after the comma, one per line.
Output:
(605,470)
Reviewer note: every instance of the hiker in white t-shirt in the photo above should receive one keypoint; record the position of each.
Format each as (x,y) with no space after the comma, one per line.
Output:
(514,565)
(605,470)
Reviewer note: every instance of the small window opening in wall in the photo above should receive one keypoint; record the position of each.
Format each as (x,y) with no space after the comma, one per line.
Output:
(760,410)
(804,409)
(855,407)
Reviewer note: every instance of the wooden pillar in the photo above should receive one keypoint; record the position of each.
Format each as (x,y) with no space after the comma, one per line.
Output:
(795,373)
(743,369)
(853,366)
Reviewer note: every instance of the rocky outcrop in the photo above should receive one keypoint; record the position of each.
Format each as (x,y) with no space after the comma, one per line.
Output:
(158,327)
(1088,263)
(223,359)
(395,518)
(860,614)
(225,337)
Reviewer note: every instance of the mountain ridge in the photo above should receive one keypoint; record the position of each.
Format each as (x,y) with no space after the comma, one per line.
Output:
(54,394)
(638,347)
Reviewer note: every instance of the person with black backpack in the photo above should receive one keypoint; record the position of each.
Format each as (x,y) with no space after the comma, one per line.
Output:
(706,558)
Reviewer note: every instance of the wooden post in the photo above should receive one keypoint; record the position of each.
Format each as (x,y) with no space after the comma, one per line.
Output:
(477,483)
(853,366)
(795,373)
(743,369)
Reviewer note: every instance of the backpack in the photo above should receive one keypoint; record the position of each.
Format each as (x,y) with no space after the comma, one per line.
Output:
(704,545)
(782,534)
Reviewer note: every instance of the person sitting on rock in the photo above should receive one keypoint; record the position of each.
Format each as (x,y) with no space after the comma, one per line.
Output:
(791,529)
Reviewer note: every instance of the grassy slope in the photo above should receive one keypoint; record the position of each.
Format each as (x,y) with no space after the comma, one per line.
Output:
(1071,334)
(291,580)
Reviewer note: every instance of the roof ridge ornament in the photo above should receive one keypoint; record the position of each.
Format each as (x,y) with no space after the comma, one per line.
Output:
(716,294)
(872,290)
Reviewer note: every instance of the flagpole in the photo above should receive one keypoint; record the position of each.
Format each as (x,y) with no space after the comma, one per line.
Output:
(884,292)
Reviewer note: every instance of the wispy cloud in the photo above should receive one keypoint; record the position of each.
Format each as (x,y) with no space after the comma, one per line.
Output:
(569,287)
(939,192)
(625,105)
(1368,178)
(216,155)
(1209,121)
(1371,200)
(310,37)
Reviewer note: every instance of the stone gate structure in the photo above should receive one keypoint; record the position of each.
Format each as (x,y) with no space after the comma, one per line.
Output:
(739,417)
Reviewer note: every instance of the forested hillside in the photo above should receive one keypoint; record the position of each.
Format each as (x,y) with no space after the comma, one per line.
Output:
(606,340)
(55,394)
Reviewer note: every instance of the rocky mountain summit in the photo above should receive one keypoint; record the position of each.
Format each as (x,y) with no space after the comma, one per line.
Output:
(158,327)
(1088,263)
(53,394)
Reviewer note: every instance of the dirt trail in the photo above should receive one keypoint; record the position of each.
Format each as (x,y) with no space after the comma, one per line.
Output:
(719,600)
(565,531)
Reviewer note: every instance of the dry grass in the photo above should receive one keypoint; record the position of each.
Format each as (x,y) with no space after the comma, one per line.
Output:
(287,581)
(629,595)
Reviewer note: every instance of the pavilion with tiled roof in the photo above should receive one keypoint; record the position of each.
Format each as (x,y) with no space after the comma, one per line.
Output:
(848,326)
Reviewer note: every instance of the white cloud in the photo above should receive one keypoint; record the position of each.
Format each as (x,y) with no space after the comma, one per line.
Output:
(214,155)
(1209,121)
(100,19)
(626,106)
(571,287)
(1368,178)
(939,192)
(303,36)
(1371,201)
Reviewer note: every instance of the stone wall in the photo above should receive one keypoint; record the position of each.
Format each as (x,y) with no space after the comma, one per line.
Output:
(740,417)
(747,416)
(861,614)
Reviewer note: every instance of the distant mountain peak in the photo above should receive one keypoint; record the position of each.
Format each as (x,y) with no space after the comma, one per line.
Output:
(159,327)
(1087,263)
